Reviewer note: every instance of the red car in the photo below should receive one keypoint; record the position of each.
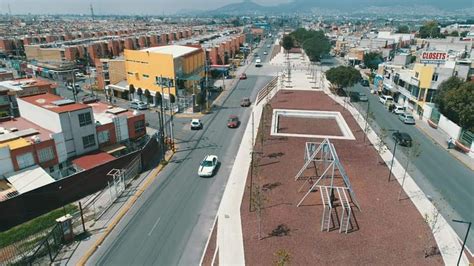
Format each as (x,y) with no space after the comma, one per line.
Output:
(233,121)
(243,76)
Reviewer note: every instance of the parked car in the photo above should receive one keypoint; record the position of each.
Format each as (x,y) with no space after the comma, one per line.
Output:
(79,75)
(265,53)
(402,138)
(358,96)
(398,109)
(245,102)
(243,76)
(386,99)
(233,121)
(138,105)
(406,118)
(208,166)
(196,124)
(268,46)
(258,62)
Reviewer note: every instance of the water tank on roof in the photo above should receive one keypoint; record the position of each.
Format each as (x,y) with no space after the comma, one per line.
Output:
(35,139)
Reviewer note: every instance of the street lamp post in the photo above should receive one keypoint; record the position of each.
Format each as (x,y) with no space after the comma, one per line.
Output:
(393,154)
(465,238)
(366,119)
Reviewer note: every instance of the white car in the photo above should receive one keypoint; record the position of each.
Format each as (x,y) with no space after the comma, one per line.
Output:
(138,105)
(386,99)
(398,109)
(196,124)
(208,166)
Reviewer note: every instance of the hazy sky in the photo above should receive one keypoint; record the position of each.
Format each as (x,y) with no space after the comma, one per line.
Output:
(156,7)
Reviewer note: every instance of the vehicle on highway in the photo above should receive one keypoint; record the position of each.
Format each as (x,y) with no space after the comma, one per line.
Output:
(79,75)
(245,102)
(258,62)
(402,138)
(398,109)
(196,124)
(265,53)
(138,105)
(208,166)
(268,46)
(233,121)
(386,99)
(243,76)
(364,83)
(406,118)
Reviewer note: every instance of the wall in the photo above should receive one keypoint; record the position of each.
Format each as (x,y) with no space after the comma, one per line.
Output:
(46,119)
(60,146)
(425,75)
(449,127)
(73,133)
(6,164)
(131,126)
(154,65)
(47,198)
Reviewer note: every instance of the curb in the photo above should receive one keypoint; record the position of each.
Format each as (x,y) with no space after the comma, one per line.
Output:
(123,211)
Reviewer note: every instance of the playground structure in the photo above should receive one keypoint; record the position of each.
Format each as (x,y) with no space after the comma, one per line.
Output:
(332,182)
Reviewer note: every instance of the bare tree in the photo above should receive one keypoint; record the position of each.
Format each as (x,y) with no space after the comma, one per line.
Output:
(412,154)
(283,257)
(368,120)
(432,219)
(258,201)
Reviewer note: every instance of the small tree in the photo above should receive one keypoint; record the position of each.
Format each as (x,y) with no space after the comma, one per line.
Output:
(158,99)
(343,77)
(131,90)
(287,43)
(140,93)
(413,152)
(381,144)
(283,257)
(257,203)
(403,29)
(147,96)
(372,60)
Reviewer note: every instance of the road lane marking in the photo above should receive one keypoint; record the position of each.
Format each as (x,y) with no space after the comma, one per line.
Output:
(153,228)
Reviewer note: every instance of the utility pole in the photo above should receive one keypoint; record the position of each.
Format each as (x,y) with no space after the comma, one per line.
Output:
(171,113)
(92,12)
(74,93)
(161,106)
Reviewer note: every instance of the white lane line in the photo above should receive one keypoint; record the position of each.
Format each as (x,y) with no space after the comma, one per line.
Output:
(153,228)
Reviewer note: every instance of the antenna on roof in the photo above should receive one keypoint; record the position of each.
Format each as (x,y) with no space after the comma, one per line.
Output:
(9,11)
(92,12)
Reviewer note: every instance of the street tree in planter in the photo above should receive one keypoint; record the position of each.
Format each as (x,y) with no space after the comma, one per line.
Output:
(140,93)
(287,43)
(147,96)
(343,77)
(131,90)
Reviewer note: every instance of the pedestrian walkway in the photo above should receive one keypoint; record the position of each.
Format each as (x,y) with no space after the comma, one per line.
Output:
(441,138)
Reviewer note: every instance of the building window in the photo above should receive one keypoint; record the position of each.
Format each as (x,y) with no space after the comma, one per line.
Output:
(85,119)
(25,160)
(45,155)
(103,136)
(435,77)
(130,73)
(417,74)
(139,126)
(88,141)
(145,76)
(163,81)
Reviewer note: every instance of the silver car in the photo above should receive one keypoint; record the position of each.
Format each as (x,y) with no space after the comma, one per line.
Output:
(406,118)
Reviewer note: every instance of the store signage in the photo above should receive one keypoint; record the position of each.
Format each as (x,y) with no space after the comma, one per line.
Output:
(433,57)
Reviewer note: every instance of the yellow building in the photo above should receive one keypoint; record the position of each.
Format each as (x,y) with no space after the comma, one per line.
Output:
(175,65)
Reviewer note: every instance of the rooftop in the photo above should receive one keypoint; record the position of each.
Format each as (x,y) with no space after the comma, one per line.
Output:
(92,160)
(104,113)
(15,133)
(54,103)
(174,50)
(29,179)
(19,84)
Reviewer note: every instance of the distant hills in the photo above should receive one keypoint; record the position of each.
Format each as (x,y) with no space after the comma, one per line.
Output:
(248,7)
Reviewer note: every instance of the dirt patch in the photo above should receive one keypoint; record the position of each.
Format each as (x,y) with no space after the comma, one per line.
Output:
(307,125)
(385,230)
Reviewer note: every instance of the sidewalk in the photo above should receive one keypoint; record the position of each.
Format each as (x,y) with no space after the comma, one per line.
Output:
(440,137)
(80,250)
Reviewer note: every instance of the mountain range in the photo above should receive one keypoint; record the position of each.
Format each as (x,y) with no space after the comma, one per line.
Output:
(352,6)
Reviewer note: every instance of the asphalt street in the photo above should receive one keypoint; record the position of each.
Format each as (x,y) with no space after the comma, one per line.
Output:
(170,223)
(443,178)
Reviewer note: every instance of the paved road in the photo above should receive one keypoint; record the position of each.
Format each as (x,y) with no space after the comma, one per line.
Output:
(449,182)
(170,223)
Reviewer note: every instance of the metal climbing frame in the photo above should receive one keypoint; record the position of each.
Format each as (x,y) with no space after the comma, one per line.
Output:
(346,208)
(326,219)
(326,155)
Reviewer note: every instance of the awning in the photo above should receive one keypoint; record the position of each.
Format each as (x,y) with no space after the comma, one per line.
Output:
(29,179)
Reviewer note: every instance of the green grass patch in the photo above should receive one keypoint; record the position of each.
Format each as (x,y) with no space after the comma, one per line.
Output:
(34,226)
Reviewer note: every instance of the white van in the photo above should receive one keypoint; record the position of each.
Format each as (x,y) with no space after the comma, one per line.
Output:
(385,99)
(258,62)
